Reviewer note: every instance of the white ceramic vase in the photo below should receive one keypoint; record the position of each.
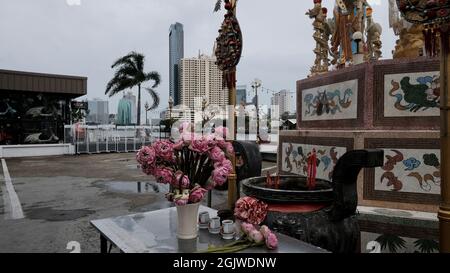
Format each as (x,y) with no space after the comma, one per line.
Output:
(187,227)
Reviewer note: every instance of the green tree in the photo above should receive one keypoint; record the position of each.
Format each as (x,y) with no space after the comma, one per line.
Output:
(130,73)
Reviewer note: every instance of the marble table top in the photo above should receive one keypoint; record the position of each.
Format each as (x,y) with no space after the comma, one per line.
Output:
(155,232)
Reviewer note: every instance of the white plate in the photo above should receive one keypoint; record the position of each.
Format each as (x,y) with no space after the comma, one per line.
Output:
(227,236)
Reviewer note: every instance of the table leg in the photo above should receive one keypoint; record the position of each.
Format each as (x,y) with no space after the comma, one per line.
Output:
(103,244)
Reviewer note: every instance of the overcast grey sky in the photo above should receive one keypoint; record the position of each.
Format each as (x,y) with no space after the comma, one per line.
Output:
(62,37)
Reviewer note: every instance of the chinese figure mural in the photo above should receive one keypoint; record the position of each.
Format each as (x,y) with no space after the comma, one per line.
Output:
(295,159)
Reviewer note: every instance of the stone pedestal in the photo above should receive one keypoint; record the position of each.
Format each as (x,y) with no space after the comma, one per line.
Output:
(391,105)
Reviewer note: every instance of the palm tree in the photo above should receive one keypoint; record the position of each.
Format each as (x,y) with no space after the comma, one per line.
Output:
(130,73)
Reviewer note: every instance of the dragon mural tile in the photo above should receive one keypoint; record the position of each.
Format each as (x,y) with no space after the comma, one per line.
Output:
(413,94)
(336,101)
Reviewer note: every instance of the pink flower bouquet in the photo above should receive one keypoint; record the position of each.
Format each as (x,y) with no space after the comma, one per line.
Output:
(191,166)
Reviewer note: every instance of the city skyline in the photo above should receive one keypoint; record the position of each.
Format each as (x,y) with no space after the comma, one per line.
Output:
(83,39)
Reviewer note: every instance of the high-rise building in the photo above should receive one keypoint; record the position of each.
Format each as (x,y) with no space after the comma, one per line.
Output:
(126,110)
(241,95)
(201,77)
(98,111)
(176,53)
(284,99)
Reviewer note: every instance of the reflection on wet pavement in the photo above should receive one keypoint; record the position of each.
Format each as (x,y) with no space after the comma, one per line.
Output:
(133,187)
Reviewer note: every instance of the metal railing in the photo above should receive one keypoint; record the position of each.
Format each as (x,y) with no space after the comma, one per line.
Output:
(109,138)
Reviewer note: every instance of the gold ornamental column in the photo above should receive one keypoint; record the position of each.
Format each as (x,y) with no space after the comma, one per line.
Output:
(232,179)
(228,52)
(444,209)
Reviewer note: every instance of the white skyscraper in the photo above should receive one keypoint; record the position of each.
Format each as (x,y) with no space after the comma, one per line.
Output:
(200,77)
(284,100)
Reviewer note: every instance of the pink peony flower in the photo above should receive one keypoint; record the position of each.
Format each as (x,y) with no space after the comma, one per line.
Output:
(146,155)
(247,228)
(221,132)
(211,140)
(200,145)
(271,241)
(163,175)
(221,143)
(220,175)
(227,165)
(251,210)
(197,195)
(229,148)
(148,169)
(181,180)
(217,155)
(256,236)
(181,202)
(164,150)
(187,138)
(265,231)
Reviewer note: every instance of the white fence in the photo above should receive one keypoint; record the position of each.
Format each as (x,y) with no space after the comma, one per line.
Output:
(107,138)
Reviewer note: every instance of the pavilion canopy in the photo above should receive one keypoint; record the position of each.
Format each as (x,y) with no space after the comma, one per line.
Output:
(42,83)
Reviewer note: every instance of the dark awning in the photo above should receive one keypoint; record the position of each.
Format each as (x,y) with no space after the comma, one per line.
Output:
(45,83)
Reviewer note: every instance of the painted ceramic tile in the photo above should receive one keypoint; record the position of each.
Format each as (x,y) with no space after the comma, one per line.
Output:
(412,94)
(330,102)
(394,243)
(409,170)
(295,158)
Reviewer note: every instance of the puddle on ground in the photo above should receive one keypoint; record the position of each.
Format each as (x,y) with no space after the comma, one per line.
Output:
(55,215)
(133,187)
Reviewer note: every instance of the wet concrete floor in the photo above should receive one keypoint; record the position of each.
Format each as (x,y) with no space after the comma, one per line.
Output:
(60,195)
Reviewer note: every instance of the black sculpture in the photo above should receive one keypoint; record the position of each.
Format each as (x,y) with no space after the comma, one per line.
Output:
(335,227)
(248,162)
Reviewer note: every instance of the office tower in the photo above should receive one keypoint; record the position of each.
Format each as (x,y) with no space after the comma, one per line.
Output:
(176,53)
(201,77)
(126,110)
(284,99)
(98,112)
